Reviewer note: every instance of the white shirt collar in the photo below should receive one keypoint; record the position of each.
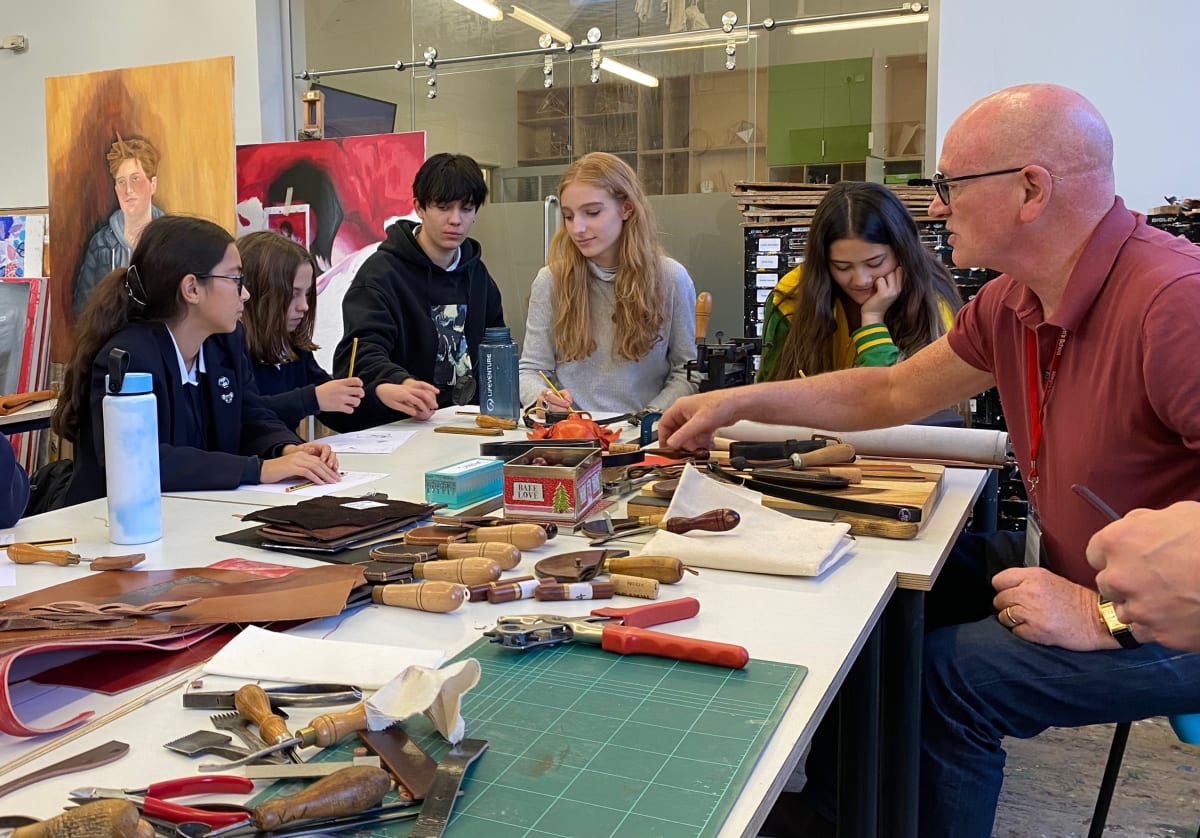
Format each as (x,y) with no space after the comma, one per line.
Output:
(188,376)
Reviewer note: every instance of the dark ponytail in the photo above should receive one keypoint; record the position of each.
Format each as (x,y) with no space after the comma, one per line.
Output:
(169,249)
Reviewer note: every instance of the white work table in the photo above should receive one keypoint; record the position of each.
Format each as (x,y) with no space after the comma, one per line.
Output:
(819,623)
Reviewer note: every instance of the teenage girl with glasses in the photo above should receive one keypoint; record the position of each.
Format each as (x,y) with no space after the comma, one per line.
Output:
(177,310)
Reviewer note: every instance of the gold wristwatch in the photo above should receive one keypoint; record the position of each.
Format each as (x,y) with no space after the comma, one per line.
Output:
(1116,628)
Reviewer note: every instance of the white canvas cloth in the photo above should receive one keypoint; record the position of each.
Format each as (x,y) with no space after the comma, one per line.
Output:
(766,540)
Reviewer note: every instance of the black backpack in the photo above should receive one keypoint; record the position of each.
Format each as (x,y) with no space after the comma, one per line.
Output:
(48,487)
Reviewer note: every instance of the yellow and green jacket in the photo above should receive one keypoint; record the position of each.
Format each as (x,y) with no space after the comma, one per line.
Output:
(869,346)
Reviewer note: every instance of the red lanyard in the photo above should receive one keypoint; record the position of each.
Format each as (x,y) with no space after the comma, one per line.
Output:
(1039,397)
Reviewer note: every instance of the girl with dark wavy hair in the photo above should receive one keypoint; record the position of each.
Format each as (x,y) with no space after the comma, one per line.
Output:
(867,294)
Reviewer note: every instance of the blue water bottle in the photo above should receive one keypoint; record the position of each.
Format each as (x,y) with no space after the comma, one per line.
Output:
(131,454)
(500,393)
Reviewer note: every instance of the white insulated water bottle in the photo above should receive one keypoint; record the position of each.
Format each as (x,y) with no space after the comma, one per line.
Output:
(131,454)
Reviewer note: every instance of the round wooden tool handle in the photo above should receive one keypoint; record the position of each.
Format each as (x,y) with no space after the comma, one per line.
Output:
(717,520)
(842,452)
(345,792)
(28,554)
(467,571)
(423,596)
(254,705)
(522,536)
(330,728)
(505,555)
(113,817)
(663,568)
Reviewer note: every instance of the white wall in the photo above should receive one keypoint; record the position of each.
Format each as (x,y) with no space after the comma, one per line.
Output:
(1129,59)
(70,36)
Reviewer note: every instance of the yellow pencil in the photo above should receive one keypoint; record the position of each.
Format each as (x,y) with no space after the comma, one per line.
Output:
(353,352)
(553,389)
(52,542)
(307,484)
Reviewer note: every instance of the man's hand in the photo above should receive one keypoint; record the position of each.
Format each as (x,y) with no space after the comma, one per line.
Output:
(341,395)
(415,397)
(1149,565)
(887,291)
(1050,610)
(690,423)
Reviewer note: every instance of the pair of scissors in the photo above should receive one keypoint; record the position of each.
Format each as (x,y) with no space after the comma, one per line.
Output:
(153,800)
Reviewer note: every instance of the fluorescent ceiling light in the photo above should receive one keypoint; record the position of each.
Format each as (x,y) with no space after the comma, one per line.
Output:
(864,23)
(535,22)
(625,71)
(482,7)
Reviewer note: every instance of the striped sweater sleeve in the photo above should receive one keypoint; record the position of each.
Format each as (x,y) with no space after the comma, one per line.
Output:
(873,346)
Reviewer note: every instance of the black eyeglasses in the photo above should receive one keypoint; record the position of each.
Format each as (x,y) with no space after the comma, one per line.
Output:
(240,279)
(941,185)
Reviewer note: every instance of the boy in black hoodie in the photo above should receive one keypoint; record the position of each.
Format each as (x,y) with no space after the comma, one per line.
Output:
(420,303)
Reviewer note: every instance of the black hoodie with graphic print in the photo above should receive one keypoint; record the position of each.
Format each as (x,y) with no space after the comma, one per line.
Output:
(390,308)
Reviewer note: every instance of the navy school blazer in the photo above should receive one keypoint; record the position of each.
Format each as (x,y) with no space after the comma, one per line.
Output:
(244,427)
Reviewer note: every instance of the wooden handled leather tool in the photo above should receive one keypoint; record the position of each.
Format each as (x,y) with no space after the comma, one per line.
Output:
(422,596)
(583,565)
(346,792)
(455,429)
(716,520)
(323,731)
(253,703)
(29,554)
(112,818)
(521,536)
(496,422)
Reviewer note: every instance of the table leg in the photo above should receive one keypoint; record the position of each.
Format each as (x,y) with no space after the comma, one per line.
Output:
(858,744)
(903,643)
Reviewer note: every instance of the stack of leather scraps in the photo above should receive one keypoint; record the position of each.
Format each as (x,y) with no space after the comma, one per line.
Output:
(336,523)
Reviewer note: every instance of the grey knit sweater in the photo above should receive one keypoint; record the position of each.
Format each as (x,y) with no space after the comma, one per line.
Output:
(605,383)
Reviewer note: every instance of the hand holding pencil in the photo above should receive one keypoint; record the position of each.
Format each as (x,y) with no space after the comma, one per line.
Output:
(342,395)
(554,399)
(312,461)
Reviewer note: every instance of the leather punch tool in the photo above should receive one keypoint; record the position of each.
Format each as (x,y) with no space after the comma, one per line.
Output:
(620,630)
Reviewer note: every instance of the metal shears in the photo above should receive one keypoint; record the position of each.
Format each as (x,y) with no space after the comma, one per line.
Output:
(153,800)
(620,630)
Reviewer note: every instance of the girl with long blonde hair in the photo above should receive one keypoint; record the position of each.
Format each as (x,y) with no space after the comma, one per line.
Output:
(611,316)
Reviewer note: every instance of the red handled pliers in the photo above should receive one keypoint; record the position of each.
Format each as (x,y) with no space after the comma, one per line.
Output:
(153,799)
(620,630)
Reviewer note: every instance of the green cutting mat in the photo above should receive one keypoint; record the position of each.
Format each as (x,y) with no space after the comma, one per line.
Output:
(584,743)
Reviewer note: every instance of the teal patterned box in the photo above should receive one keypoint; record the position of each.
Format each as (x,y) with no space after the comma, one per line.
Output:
(465,483)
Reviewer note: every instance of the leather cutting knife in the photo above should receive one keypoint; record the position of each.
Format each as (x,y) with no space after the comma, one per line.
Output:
(292,695)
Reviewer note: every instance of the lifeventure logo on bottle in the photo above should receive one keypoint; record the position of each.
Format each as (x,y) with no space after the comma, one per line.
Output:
(489,381)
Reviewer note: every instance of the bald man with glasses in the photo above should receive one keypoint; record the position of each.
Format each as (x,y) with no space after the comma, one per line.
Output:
(1090,334)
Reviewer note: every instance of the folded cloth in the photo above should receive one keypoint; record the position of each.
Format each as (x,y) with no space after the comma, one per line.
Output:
(17,401)
(766,540)
(435,692)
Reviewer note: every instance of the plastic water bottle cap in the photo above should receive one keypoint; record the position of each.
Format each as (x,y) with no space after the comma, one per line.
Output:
(135,383)
(497,334)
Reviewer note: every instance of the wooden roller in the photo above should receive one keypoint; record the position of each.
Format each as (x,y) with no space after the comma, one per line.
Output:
(838,453)
(716,520)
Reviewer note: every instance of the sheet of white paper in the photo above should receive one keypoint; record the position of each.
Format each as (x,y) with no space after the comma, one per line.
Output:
(373,441)
(349,480)
(272,656)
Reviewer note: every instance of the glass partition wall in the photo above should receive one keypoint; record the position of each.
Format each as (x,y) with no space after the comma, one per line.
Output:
(800,104)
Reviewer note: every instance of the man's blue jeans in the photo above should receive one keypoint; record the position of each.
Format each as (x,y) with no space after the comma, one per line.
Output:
(982,683)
